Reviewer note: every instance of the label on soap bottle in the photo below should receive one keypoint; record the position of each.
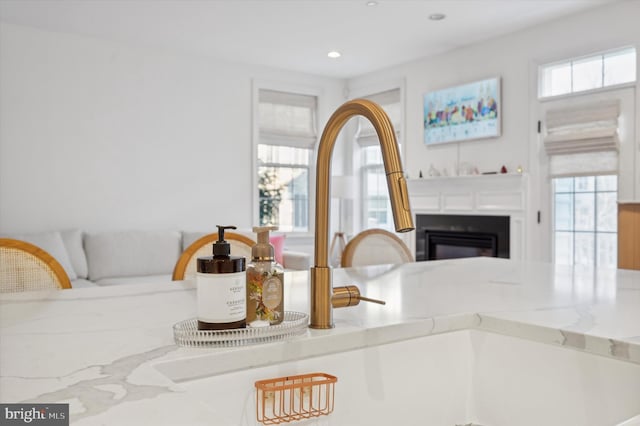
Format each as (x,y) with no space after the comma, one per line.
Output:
(265,294)
(272,292)
(221,297)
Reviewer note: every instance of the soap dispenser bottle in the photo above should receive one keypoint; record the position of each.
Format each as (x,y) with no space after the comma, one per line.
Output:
(265,283)
(221,287)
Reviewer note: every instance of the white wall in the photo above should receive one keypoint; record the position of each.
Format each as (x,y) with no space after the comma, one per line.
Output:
(98,135)
(515,58)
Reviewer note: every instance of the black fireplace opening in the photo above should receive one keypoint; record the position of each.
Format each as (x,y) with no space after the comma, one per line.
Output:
(457,236)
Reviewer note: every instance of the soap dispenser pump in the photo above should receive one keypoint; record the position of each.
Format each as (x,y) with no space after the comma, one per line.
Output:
(221,287)
(265,283)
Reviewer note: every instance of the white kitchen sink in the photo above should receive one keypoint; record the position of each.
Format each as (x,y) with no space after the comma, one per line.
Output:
(458,378)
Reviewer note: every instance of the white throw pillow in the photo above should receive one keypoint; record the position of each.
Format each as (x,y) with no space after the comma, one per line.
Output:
(52,243)
(131,253)
(73,242)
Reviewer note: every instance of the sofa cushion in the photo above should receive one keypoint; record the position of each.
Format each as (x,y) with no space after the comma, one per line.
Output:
(190,237)
(82,283)
(151,279)
(52,243)
(73,243)
(131,253)
(296,260)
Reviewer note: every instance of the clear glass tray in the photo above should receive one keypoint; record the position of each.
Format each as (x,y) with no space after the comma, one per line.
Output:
(186,333)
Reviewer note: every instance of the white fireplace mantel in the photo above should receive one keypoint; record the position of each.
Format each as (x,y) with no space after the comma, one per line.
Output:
(495,195)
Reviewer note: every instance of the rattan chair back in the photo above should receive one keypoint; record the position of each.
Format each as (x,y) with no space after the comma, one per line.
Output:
(375,247)
(26,267)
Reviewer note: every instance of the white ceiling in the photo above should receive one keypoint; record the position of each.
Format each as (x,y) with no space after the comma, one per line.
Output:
(294,34)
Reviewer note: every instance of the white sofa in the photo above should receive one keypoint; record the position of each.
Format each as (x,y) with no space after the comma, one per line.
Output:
(125,257)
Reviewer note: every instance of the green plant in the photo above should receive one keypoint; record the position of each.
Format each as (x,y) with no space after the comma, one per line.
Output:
(270,193)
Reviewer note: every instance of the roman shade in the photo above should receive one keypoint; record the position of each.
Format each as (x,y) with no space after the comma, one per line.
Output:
(583,140)
(287,119)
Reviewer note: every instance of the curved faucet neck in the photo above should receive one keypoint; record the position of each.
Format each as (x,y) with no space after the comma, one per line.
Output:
(392,164)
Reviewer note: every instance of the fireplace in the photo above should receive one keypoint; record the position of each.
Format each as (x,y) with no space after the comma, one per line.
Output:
(454,236)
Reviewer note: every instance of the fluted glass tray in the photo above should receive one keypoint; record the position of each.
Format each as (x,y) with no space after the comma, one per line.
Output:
(186,333)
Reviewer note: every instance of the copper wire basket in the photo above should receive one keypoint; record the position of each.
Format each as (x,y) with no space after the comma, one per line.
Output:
(287,399)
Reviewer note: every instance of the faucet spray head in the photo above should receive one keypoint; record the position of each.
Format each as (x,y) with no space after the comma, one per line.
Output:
(399,194)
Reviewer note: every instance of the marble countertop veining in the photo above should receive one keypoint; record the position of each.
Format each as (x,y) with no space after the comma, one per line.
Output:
(111,349)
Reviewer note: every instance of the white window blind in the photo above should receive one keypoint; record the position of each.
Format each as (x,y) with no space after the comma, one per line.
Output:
(583,140)
(390,103)
(287,119)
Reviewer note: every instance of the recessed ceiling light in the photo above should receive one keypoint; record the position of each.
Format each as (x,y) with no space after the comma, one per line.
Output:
(371,3)
(437,16)
(333,54)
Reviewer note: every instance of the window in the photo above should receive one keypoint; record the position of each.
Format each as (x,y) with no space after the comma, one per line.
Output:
(376,207)
(287,135)
(582,141)
(588,73)
(585,220)
(376,204)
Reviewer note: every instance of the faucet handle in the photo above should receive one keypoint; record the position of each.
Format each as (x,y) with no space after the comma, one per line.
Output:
(349,295)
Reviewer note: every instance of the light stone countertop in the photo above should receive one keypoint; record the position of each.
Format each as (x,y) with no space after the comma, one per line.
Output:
(111,349)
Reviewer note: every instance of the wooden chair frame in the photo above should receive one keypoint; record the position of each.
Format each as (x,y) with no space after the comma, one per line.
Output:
(61,277)
(189,252)
(347,254)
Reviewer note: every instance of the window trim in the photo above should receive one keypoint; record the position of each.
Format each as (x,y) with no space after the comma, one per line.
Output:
(258,85)
(589,92)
